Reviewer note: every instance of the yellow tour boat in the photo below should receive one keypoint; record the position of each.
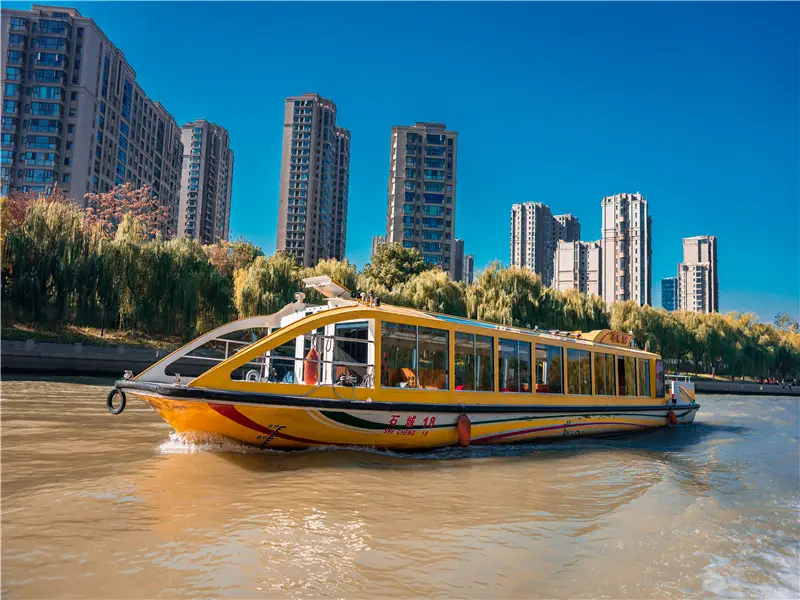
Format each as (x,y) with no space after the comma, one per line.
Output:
(353,372)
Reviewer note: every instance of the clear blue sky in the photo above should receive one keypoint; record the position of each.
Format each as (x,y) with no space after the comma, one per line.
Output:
(694,105)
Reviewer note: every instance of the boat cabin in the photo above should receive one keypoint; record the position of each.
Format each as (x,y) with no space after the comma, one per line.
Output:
(362,346)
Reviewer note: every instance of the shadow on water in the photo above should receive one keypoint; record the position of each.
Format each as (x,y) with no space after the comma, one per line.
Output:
(664,445)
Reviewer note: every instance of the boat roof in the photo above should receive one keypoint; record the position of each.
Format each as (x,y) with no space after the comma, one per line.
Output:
(608,338)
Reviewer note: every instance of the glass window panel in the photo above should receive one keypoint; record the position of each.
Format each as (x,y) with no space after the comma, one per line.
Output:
(484,362)
(660,379)
(549,367)
(508,355)
(399,350)
(586,372)
(626,375)
(644,376)
(610,376)
(579,375)
(600,374)
(465,361)
(433,360)
(281,364)
(525,367)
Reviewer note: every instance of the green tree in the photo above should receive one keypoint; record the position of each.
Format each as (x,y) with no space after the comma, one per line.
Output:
(787,323)
(391,265)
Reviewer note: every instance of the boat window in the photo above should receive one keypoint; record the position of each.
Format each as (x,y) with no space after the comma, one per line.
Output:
(351,352)
(484,363)
(281,363)
(579,372)
(644,376)
(626,376)
(515,365)
(660,379)
(604,374)
(549,369)
(432,347)
(465,361)
(399,350)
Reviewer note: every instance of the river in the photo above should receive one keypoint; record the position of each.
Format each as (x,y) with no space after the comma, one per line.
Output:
(102,506)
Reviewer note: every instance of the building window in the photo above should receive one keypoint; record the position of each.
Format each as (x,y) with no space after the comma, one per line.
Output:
(604,374)
(579,372)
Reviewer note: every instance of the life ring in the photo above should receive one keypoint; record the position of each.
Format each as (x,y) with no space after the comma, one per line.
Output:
(110,401)
(253,376)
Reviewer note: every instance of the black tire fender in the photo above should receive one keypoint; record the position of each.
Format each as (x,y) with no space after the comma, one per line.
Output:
(110,401)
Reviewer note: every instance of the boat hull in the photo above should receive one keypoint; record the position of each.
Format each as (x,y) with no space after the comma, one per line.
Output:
(280,422)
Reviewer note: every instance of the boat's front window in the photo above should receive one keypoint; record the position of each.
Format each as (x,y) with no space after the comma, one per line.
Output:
(343,355)
(414,356)
(351,352)
(549,367)
(202,358)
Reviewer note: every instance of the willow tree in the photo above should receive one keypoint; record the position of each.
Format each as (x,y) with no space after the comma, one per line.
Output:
(270,284)
(506,296)
(433,291)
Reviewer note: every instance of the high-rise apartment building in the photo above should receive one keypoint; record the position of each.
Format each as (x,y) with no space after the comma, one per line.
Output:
(421,209)
(669,293)
(457,274)
(468,270)
(315,171)
(698,286)
(535,233)
(206,182)
(567,228)
(578,265)
(626,249)
(75,117)
(377,240)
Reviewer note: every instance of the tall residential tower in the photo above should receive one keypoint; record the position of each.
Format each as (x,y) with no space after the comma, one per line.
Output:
(669,293)
(626,249)
(535,233)
(315,171)
(421,209)
(578,265)
(206,182)
(698,285)
(74,115)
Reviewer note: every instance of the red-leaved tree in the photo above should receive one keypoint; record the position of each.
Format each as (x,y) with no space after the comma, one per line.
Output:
(106,210)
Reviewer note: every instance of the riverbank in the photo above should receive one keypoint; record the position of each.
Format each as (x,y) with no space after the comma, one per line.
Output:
(745,388)
(45,358)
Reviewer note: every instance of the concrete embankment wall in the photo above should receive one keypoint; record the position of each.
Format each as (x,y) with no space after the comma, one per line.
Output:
(74,359)
(758,389)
